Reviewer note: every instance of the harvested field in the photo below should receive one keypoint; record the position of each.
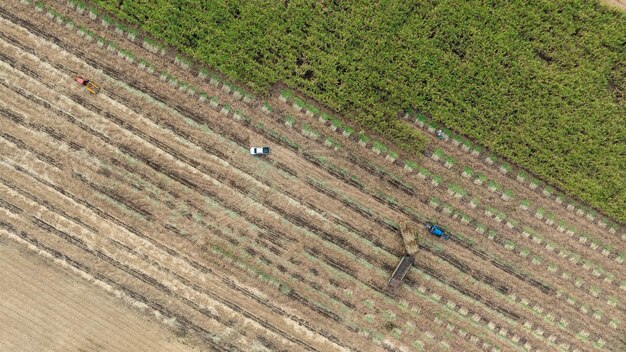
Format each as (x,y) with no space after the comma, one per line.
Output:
(149,188)
(64,313)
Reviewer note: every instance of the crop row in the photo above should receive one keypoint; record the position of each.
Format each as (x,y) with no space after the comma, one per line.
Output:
(537,309)
(147,43)
(521,176)
(106,193)
(373,88)
(224,109)
(609,302)
(499,216)
(541,309)
(478,179)
(549,219)
(127,192)
(75,233)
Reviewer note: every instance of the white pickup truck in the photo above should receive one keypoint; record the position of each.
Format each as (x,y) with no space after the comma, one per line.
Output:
(260,150)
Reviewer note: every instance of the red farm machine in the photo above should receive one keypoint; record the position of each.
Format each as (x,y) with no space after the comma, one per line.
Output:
(89,85)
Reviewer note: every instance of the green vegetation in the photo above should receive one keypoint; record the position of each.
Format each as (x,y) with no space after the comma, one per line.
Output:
(541,83)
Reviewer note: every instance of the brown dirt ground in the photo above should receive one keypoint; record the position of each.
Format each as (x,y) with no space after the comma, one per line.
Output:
(57,311)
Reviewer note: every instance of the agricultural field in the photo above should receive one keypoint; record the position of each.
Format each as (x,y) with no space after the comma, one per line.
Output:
(66,313)
(541,83)
(147,189)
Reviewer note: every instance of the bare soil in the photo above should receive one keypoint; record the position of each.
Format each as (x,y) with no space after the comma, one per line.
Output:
(47,308)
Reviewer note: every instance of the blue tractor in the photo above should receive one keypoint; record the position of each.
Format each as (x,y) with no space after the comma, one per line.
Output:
(437,231)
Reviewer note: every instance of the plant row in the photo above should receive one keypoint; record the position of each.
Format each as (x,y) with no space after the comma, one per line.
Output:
(540,213)
(458,192)
(521,176)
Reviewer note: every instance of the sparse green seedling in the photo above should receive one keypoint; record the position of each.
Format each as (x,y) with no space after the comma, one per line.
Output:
(534,183)
(290,120)
(423,173)
(480,179)
(436,180)
(379,148)
(507,195)
(468,172)
(437,154)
